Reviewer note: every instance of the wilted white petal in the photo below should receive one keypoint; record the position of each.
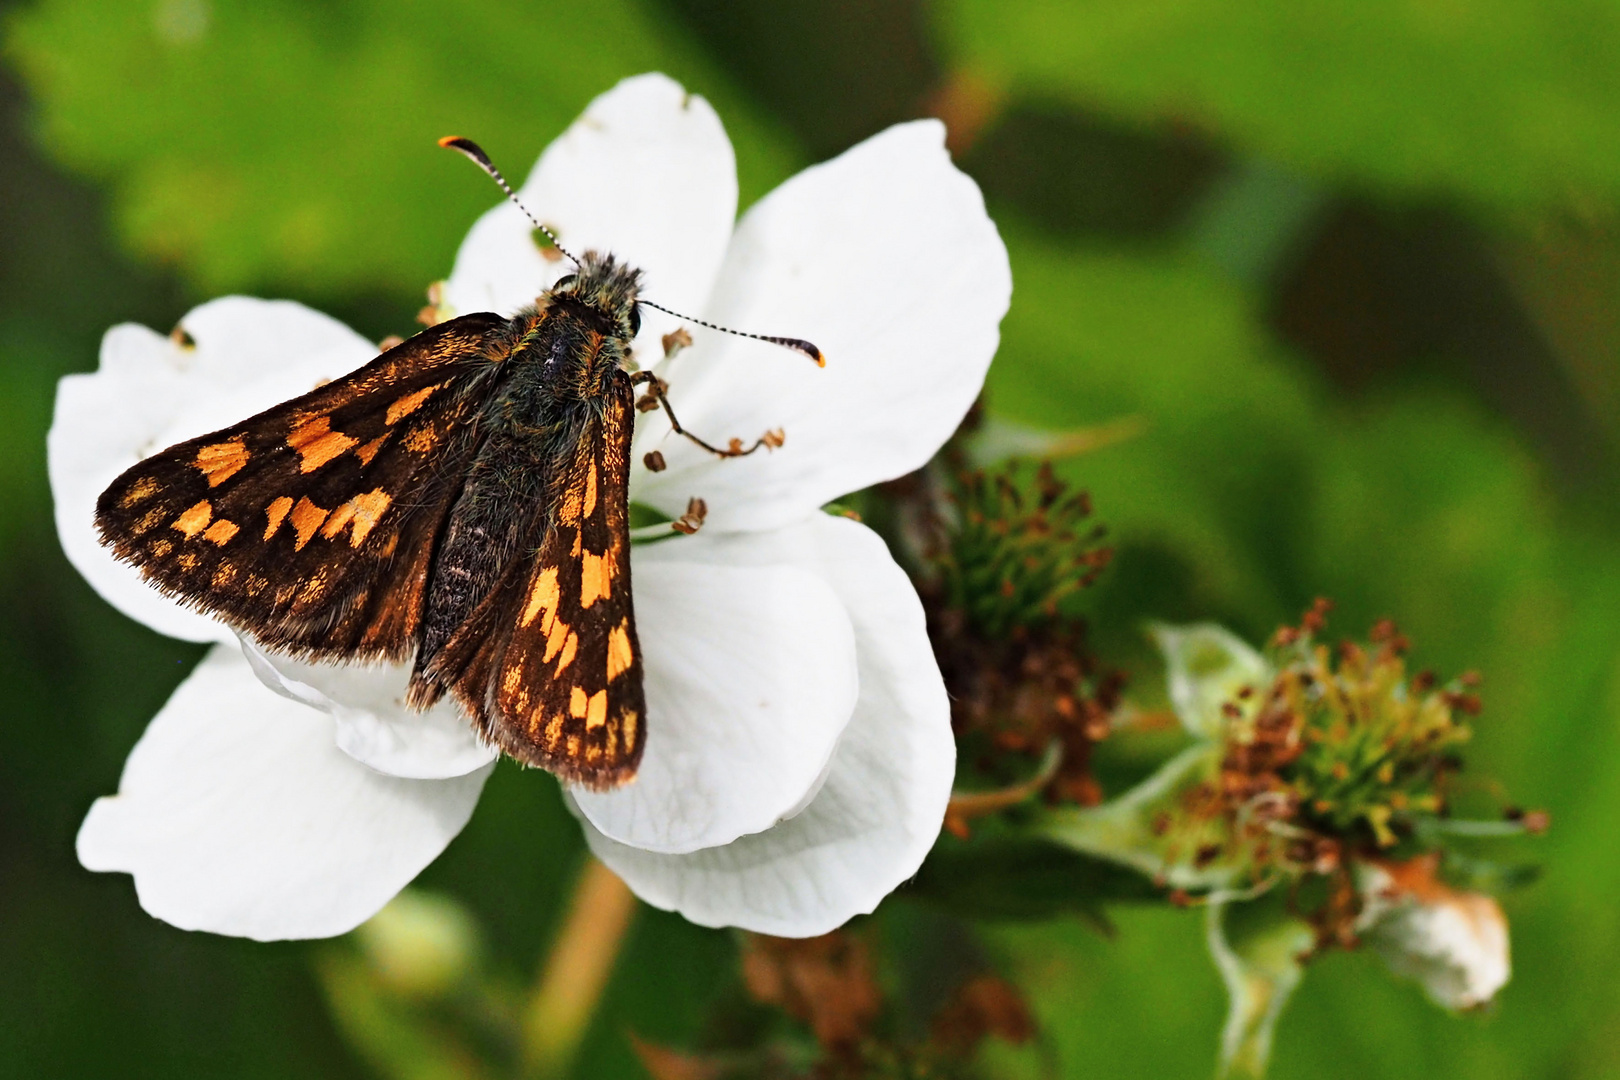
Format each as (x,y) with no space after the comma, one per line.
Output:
(885,258)
(647,174)
(1453,943)
(373,726)
(1207,667)
(869,827)
(237,814)
(151,392)
(751,678)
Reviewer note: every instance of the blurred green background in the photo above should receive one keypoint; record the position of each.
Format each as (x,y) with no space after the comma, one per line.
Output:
(1356,265)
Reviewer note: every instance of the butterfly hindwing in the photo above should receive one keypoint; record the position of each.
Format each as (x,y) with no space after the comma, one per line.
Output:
(551,666)
(311,525)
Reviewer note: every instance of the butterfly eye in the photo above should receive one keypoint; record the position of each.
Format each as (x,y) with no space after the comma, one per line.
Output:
(564,281)
(635,320)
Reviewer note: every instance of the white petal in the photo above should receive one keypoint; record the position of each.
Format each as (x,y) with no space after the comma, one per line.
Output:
(874,820)
(647,174)
(373,726)
(885,258)
(236,814)
(1454,944)
(150,393)
(751,678)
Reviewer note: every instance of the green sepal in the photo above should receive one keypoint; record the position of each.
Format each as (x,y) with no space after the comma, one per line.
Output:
(1131,830)
(1257,945)
(1207,667)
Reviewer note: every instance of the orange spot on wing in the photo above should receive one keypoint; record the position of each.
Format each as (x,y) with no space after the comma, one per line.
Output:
(143,489)
(619,653)
(149,521)
(362,511)
(421,440)
(195,520)
(221,531)
(276,512)
(589,507)
(596,713)
(556,639)
(545,596)
(317,443)
(306,518)
(627,730)
(408,404)
(369,451)
(221,461)
(570,647)
(578,703)
(595,579)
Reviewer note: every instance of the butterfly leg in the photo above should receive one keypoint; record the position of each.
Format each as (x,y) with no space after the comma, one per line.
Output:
(657,398)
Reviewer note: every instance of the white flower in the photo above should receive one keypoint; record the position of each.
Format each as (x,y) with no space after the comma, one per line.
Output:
(799,754)
(1453,943)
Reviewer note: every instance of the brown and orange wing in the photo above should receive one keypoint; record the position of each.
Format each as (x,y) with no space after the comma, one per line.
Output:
(311,526)
(550,665)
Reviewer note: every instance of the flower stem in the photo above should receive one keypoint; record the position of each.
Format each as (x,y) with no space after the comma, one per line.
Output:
(576,972)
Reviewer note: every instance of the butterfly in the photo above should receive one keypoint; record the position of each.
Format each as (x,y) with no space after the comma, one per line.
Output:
(461,501)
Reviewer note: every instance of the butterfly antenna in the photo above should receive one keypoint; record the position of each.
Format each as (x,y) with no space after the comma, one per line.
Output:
(476,154)
(796,344)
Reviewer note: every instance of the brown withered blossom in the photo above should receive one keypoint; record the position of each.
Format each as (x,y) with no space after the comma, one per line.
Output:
(999,554)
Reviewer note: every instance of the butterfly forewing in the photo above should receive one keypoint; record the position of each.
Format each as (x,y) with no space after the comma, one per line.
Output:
(465,497)
(551,665)
(312,524)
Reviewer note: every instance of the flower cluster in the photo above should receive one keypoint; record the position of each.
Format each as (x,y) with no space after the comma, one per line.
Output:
(1341,750)
(1004,552)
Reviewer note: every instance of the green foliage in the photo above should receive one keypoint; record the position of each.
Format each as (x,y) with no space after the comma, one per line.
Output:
(262,145)
(1510,102)
(1001,877)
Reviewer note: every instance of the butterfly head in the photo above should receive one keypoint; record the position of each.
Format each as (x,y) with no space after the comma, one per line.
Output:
(606,286)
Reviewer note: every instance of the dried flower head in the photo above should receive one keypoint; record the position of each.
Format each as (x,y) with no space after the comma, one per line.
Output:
(1004,552)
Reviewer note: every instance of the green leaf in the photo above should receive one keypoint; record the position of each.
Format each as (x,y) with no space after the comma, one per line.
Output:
(286,144)
(1092,337)
(1256,946)
(1011,877)
(1502,101)
(1207,666)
